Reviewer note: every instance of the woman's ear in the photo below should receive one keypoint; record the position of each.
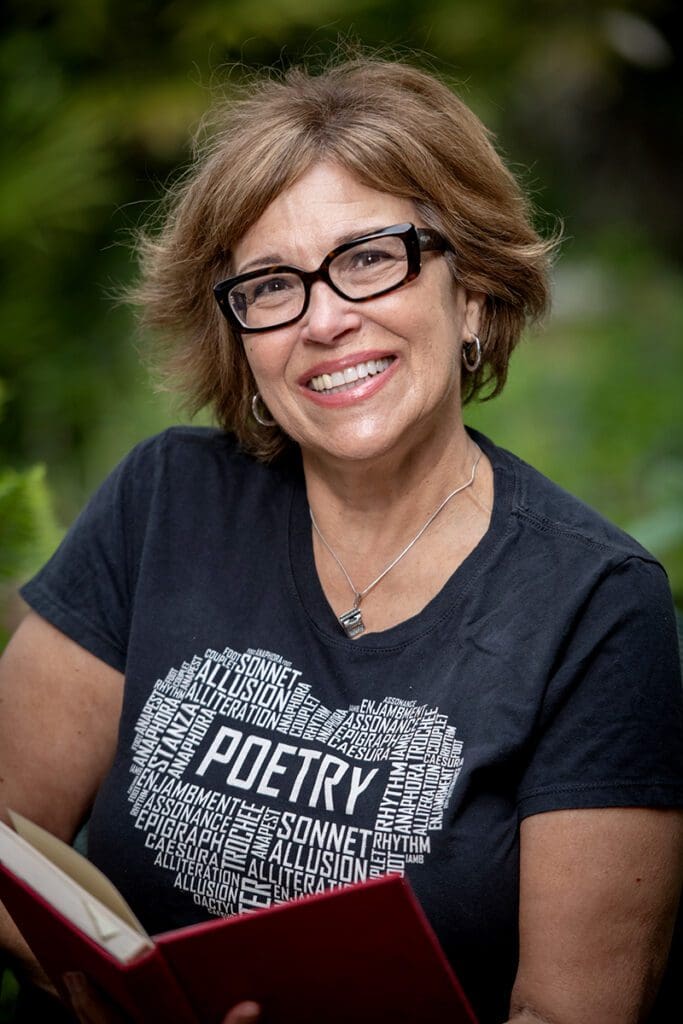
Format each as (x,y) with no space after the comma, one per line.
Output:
(474,309)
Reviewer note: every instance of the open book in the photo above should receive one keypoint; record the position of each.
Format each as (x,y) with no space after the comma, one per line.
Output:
(363,954)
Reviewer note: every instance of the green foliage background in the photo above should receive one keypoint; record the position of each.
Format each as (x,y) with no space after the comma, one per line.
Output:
(99,98)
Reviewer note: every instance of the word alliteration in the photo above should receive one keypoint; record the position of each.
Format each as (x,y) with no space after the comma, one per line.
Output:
(281,769)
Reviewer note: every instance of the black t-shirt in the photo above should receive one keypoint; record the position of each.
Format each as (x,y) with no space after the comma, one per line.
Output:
(263,755)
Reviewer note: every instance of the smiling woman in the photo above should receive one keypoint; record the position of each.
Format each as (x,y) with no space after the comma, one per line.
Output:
(436,156)
(407,326)
(370,640)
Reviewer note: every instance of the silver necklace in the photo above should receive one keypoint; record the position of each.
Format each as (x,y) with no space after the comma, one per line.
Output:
(352,621)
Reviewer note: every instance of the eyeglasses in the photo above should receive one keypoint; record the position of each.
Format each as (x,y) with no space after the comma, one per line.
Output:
(262,300)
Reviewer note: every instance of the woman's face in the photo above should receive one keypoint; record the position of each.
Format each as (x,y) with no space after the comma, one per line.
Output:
(415,332)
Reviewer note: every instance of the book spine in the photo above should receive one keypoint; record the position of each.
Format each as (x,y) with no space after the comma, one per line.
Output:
(145,988)
(153,993)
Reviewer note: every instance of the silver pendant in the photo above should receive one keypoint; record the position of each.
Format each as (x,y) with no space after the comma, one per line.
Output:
(352,622)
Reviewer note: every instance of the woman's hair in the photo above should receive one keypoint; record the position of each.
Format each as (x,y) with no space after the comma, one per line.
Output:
(398,130)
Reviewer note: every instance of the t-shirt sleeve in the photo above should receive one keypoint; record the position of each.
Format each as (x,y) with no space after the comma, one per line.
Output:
(610,730)
(86,589)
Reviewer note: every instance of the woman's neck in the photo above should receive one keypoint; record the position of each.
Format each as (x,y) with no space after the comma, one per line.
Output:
(391,494)
(377,544)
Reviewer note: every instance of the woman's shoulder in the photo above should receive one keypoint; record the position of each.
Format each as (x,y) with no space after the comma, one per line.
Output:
(546,509)
(189,451)
(184,441)
(197,464)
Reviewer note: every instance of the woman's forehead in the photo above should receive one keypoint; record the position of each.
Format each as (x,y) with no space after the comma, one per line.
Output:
(326,206)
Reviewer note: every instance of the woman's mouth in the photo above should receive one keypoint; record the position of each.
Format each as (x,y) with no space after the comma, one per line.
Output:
(343,380)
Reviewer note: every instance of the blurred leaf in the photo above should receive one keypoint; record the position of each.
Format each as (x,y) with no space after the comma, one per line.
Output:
(9,990)
(28,530)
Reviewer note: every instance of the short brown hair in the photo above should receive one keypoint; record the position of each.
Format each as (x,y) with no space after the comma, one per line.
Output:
(399,130)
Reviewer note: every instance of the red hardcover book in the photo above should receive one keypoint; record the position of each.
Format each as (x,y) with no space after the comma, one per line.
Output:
(364,953)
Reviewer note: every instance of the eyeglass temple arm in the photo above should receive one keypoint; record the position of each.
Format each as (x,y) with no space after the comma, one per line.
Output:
(430,240)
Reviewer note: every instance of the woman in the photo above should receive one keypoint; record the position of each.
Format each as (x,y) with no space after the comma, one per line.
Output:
(345,607)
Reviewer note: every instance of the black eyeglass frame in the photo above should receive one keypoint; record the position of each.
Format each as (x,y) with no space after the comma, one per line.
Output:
(416,241)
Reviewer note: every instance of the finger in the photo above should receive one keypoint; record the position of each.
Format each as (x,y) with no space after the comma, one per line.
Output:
(244,1013)
(79,999)
(86,1002)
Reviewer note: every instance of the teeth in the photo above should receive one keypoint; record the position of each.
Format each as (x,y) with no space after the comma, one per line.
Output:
(342,379)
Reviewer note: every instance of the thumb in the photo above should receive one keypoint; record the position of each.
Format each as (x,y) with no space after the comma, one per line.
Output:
(244,1013)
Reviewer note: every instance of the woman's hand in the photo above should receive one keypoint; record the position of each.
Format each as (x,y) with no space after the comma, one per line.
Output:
(88,1004)
(91,1006)
(244,1013)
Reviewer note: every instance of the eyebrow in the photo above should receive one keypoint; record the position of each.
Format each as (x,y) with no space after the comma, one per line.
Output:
(272,259)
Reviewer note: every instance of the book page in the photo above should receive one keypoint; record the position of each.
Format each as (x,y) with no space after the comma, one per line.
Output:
(72,863)
(73,886)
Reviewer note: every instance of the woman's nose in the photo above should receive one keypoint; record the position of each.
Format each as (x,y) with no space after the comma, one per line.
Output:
(328,316)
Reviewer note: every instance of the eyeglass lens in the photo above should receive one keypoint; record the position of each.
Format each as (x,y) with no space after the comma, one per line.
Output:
(364,270)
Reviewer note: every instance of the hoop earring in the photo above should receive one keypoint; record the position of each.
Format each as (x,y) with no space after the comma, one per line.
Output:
(258,415)
(472,364)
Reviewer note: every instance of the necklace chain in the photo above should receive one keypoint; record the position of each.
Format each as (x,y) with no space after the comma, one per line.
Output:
(352,620)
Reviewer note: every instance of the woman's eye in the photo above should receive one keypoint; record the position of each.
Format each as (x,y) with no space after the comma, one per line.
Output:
(271,286)
(369,258)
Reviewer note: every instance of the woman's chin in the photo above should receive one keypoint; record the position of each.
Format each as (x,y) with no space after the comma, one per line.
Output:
(353,447)
(347,447)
